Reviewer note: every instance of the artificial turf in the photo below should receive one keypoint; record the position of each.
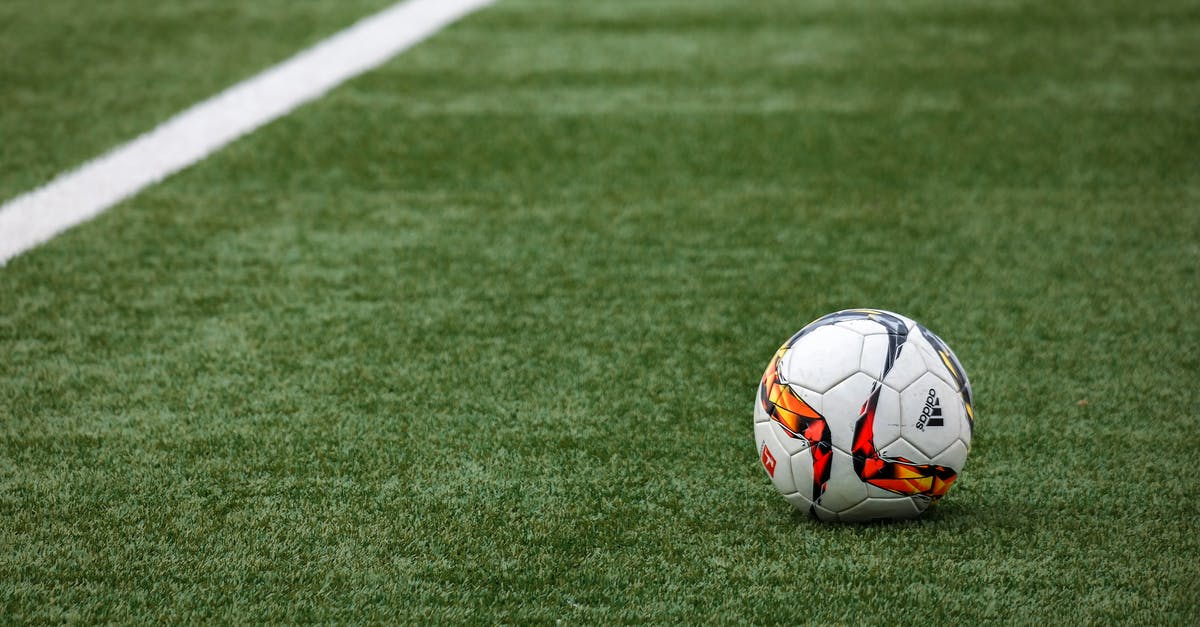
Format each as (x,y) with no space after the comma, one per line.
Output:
(476,337)
(81,76)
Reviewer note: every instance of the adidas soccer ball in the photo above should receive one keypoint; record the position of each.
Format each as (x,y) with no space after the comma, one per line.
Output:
(863,415)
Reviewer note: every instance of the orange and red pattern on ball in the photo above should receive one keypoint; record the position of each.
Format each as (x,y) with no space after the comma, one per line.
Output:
(798,419)
(898,474)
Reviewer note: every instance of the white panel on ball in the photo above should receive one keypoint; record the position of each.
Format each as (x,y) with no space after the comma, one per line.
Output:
(824,514)
(964,431)
(775,461)
(760,414)
(802,471)
(822,358)
(843,404)
(790,445)
(889,420)
(874,355)
(909,365)
(844,488)
(955,456)
(935,365)
(901,448)
(875,508)
(933,414)
(869,327)
(799,500)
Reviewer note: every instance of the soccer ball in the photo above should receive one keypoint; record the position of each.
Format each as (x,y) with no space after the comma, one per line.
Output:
(863,415)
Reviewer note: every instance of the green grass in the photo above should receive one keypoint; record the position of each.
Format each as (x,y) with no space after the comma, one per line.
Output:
(80,76)
(477,336)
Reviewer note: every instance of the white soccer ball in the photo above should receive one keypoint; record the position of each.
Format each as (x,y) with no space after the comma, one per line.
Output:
(863,415)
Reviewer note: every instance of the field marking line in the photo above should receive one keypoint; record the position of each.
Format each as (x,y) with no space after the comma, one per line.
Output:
(78,195)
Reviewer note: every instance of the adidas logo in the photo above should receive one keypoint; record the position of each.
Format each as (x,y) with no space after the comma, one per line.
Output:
(931,415)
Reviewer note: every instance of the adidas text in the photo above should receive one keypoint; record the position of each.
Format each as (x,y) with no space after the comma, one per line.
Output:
(931,415)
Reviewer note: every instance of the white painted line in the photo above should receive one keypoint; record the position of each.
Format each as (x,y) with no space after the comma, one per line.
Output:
(79,195)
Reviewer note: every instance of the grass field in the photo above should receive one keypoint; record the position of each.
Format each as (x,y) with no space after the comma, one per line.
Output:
(477,337)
